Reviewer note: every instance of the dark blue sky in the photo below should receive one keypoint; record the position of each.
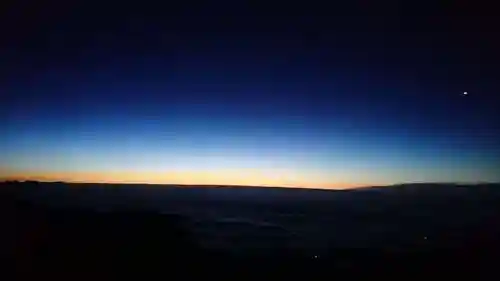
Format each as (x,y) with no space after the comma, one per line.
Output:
(247,94)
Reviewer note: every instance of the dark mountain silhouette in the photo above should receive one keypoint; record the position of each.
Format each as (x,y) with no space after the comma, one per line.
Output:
(61,227)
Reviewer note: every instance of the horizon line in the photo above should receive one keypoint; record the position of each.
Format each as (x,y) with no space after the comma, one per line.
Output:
(4,180)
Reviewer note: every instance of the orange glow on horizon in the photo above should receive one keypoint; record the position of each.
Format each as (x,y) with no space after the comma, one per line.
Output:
(230,177)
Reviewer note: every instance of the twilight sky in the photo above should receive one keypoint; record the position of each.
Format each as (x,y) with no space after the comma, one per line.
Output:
(325,97)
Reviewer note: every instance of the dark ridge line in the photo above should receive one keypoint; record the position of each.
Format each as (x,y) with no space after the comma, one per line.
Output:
(362,188)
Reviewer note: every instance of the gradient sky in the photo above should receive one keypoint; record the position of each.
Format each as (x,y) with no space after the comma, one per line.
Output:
(241,95)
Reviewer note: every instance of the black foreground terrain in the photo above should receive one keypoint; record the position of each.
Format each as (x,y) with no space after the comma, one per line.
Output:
(64,230)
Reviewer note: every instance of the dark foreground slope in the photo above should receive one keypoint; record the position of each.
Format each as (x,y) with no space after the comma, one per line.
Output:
(83,229)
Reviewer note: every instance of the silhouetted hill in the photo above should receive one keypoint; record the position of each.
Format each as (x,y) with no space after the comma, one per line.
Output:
(121,228)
